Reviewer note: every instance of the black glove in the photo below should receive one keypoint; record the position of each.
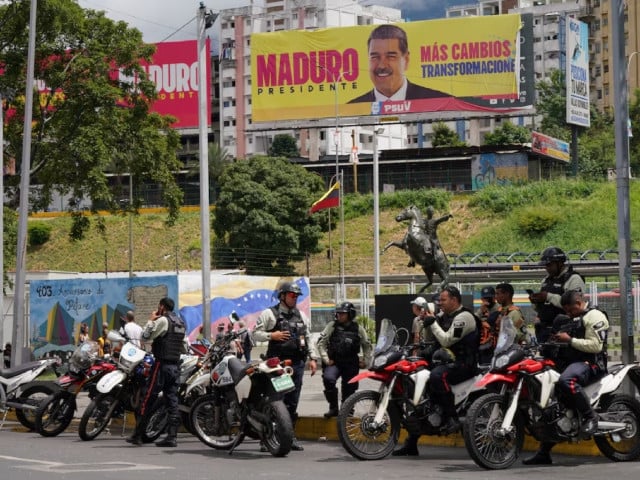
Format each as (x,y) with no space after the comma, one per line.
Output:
(428,321)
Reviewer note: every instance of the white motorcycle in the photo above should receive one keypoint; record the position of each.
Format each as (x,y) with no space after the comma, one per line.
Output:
(118,391)
(496,422)
(20,391)
(244,400)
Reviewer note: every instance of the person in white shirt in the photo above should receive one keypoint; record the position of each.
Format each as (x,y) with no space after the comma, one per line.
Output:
(132,329)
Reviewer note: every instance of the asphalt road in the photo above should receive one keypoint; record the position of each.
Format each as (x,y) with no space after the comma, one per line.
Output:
(26,455)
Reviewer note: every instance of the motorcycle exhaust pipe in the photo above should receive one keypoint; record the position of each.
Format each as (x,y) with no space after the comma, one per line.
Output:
(21,406)
(611,427)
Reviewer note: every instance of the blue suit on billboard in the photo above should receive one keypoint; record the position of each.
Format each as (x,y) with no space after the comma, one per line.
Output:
(414,92)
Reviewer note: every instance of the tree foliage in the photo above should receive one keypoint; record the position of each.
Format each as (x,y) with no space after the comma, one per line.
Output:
(443,136)
(596,145)
(508,134)
(261,220)
(89,120)
(284,145)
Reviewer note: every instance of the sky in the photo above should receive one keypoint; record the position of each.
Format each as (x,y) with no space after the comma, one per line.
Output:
(172,20)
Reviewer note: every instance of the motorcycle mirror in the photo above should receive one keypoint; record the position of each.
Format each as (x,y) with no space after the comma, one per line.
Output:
(233,317)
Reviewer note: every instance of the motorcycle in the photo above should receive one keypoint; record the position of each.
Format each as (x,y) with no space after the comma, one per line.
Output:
(20,390)
(157,419)
(118,390)
(496,422)
(55,413)
(369,421)
(245,400)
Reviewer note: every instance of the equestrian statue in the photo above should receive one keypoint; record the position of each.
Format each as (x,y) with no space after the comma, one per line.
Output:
(422,245)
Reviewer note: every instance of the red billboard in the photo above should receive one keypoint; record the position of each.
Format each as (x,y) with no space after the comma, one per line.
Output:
(174,70)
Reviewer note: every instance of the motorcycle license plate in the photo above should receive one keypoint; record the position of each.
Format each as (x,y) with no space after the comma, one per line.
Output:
(282,383)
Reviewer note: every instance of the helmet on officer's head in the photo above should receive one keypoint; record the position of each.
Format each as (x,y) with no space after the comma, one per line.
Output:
(289,287)
(347,307)
(552,254)
(443,356)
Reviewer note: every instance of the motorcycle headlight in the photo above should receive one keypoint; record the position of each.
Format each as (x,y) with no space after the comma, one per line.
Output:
(500,362)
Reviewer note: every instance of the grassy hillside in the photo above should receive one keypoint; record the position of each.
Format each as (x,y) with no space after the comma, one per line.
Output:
(582,216)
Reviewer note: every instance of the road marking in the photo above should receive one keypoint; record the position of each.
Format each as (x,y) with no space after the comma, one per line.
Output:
(58,467)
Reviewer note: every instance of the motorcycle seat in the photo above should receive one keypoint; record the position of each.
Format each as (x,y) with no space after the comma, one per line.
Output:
(13,371)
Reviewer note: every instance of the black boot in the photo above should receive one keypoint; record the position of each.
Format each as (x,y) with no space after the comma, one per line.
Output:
(332,398)
(295,446)
(542,456)
(171,440)
(589,424)
(136,437)
(409,449)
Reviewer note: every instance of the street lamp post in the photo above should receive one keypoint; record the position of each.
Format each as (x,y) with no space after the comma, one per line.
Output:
(205,20)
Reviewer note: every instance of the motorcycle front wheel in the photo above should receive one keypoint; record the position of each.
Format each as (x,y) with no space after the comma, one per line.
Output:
(155,421)
(621,446)
(32,397)
(97,416)
(278,435)
(487,445)
(54,414)
(214,422)
(359,434)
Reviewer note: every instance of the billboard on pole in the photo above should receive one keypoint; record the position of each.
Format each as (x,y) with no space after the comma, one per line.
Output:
(174,70)
(459,64)
(577,75)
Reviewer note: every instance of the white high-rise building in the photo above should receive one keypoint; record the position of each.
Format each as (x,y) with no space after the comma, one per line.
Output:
(238,135)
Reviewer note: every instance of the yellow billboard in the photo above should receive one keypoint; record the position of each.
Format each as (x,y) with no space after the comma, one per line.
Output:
(426,66)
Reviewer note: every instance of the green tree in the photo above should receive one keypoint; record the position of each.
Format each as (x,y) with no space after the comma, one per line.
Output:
(261,221)
(552,105)
(284,145)
(443,136)
(597,149)
(508,134)
(89,121)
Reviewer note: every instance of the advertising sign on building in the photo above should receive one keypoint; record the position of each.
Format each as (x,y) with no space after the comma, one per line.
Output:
(577,75)
(549,146)
(467,64)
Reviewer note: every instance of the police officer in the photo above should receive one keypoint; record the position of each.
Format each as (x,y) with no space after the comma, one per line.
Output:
(338,347)
(166,330)
(488,303)
(583,361)
(455,329)
(560,278)
(286,329)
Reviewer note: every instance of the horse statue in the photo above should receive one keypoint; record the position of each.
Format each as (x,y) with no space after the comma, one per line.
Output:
(422,245)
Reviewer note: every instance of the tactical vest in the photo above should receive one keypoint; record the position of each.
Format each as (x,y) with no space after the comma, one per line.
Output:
(344,342)
(465,349)
(569,355)
(168,347)
(296,347)
(546,311)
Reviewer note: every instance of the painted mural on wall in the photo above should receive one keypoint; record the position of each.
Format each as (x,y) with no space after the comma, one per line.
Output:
(498,169)
(246,295)
(58,307)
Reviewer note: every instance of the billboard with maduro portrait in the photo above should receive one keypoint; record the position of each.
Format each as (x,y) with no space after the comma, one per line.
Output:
(461,64)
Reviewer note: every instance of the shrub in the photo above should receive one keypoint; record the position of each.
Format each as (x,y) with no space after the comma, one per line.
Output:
(39,233)
(534,221)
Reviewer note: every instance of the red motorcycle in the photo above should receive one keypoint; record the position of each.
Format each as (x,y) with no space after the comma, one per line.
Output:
(55,413)
(369,421)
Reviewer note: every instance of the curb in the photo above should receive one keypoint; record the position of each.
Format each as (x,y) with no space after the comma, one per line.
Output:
(320,429)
